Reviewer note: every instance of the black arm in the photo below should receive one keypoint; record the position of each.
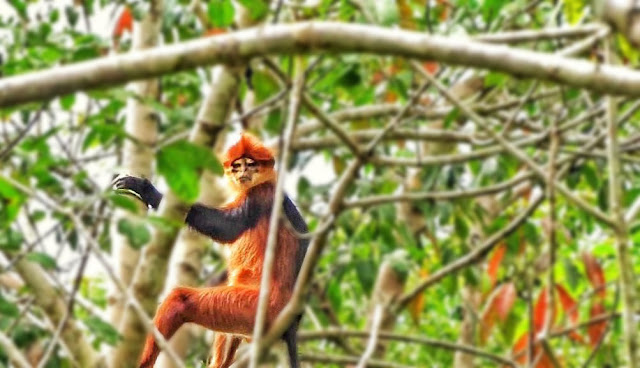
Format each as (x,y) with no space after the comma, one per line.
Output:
(141,188)
(225,225)
(300,226)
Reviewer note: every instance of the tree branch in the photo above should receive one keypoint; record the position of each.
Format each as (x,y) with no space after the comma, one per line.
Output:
(315,37)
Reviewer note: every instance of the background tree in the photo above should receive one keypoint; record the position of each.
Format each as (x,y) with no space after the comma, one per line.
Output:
(469,171)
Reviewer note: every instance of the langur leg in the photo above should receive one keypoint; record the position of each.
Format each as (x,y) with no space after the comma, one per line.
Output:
(290,337)
(229,309)
(224,347)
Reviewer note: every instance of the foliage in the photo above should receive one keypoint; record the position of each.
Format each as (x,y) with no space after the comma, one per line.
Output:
(67,150)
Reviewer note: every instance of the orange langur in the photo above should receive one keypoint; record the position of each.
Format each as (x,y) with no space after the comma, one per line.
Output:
(243,224)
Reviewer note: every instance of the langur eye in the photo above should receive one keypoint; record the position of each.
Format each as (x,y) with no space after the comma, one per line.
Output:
(252,164)
(235,165)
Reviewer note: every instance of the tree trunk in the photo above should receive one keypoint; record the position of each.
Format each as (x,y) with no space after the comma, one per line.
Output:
(138,155)
(151,274)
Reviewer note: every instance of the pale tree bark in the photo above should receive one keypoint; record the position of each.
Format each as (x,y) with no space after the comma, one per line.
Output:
(141,126)
(628,286)
(621,14)
(316,37)
(55,309)
(388,287)
(16,358)
(191,246)
(150,276)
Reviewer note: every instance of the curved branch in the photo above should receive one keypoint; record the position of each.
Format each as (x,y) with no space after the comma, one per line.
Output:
(384,335)
(315,37)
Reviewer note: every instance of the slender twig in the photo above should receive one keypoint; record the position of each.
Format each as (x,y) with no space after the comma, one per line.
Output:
(603,335)
(444,195)
(548,352)
(551,197)
(429,113)
(318,243)
(347,360)
(34,119)
(332,124)
(592,321)
(386,335)
(270,250)
(585,44)
(619,227)
(472,257)
(94,248)
(373,336)
(519,154)
(69,310)
(539,35)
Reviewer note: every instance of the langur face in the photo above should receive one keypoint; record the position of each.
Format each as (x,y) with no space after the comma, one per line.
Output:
(244,172)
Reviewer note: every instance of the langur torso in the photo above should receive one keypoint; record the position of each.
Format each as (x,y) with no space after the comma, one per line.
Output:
(248,251)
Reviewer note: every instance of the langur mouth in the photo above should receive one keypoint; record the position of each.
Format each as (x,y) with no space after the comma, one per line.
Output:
(245,179)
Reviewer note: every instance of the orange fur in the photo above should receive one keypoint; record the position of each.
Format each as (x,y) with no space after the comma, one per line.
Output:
(225,347)
(248,146)
(232,308)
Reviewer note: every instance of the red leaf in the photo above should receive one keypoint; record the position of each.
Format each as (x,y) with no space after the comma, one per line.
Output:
(499,305)
(570,307)
(377,77)
(594,273)
(596,330)
(431,67)
(390,97)
(520,349)
(519,352)
(569,304)
(494,262)
(124,23)
(504,300)
(540,311)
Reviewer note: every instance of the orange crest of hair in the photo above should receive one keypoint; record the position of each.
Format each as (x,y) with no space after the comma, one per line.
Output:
(249,146)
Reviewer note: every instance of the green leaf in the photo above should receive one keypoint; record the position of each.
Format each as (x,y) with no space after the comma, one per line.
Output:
(461,227)
(72,15)
(334,293)
(20,7)
(181,164)
(366,273)
(164,224)
(137,233)
(572,274)
(491,8)
(67,101)
(452,116)
(257,8)
(10,240)
(124,202)
(11,201)
(221,13)
(351,77)
(7,308)
(591,176)
(103,330)
(43,259)
(495,79)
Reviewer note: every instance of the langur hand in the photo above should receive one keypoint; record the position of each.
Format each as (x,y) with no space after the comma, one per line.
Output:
(139,187)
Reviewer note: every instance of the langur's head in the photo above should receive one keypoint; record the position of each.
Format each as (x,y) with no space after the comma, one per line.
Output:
(248,163)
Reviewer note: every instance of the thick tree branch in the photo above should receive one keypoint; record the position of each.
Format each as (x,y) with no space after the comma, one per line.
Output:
(315,37)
